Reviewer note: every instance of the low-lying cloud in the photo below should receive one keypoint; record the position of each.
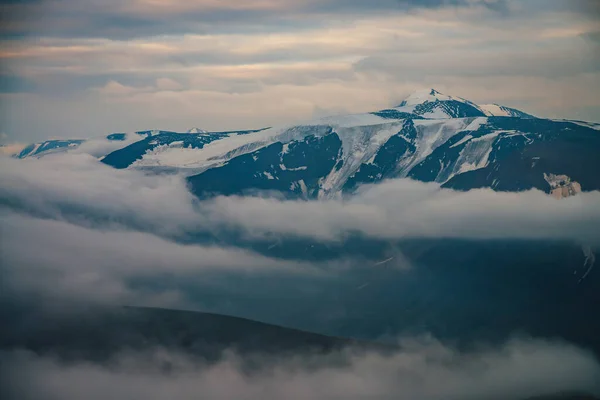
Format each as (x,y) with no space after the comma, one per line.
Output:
(55,259)
(76,230)
(408,209)
(58,184)
(72,186)
(424,370)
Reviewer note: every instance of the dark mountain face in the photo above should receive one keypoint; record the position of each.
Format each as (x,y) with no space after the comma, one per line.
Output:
(503,153)
(99,333)
(519,156)
(274,169)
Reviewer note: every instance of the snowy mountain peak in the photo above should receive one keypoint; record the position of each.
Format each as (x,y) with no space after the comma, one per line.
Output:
(197,130)
(432,104)
(424,96)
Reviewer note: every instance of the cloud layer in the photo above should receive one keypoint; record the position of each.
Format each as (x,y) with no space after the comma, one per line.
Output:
(79,231)
(75,228)
(66,186)
(425,370)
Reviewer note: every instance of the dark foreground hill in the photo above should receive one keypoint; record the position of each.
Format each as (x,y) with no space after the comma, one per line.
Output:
(99,333)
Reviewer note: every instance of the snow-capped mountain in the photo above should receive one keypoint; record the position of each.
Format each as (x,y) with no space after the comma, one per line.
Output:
(429,137)
(432,104)
(463,153)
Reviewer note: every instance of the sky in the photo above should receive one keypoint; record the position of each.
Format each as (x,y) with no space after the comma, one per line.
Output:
(82,68)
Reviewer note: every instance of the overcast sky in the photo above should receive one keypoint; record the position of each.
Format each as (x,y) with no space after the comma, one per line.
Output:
(79,68)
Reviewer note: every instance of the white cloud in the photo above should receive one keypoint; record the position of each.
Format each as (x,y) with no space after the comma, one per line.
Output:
(77,230)
(58,260)
(73,227)
(56,182)
(395,209)
(409,209)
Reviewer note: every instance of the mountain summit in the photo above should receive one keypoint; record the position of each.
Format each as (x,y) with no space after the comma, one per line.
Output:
(430,103)
(424,96)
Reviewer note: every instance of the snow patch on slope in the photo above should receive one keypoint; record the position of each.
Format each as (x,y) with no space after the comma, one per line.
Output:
(213,153)
(218,152)
(475,155)
(359,145)
(461,141)
(476,124)
(495,110)
(430,135)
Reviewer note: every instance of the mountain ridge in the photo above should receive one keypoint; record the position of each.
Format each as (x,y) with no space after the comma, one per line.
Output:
(430,136)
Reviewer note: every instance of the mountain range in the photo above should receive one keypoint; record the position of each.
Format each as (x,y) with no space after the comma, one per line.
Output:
(429,136)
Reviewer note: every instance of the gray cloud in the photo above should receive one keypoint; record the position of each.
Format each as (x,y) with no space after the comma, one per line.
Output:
(112,19)
(80,182)
(403,208)
(57,260)
(73,228)
(425,369)
(395,209)
(76,230)
(586,8)
(488,62)
(289,57)
(89,227)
